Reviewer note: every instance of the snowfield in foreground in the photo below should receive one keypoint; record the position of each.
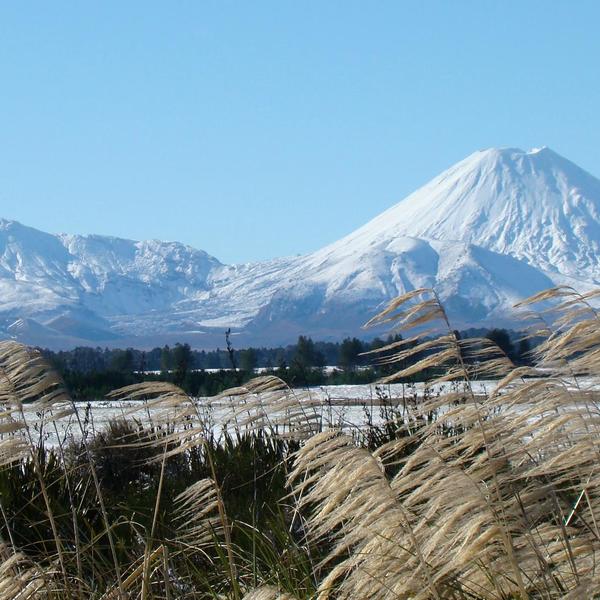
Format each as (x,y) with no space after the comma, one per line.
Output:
(348,407)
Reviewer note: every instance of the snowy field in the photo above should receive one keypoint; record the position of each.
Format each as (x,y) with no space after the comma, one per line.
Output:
(345,406)
(350,407)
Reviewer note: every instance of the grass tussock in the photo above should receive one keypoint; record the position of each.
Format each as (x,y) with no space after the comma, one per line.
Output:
(464,491)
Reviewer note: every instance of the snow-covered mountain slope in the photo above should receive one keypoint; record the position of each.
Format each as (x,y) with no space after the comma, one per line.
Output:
(535,205)
(491,230)
(494,228)
(477,286)
(73,285)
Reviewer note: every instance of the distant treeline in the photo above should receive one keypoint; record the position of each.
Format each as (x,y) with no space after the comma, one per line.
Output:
(167,358)
(90,373)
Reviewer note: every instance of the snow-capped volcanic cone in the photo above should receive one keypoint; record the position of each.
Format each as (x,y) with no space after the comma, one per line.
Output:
(491,230)
(494,228)
(536,206)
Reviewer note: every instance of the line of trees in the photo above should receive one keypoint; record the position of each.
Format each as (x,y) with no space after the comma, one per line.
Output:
(92,372)
(182,358)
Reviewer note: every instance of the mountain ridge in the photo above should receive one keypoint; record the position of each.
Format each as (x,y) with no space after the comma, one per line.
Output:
(495,227)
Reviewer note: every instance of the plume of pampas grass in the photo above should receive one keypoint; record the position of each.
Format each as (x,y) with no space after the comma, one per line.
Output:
(499,499)
(27,380)
(267,403)
(20,579)
(196,510)
(33,398)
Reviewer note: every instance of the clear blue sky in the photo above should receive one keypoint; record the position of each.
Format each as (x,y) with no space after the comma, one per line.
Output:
(260,129)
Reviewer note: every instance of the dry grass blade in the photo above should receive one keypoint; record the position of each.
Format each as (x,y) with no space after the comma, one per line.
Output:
(150,390)
(20,579)
(416,348)
(386,315)
(161,401)
(400,343)
(27,377)
(133,578)
(257,385)
(196,511)
(268,404)
(31,396)
(550,294)
(267,592)
(439,359)
(176,424)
